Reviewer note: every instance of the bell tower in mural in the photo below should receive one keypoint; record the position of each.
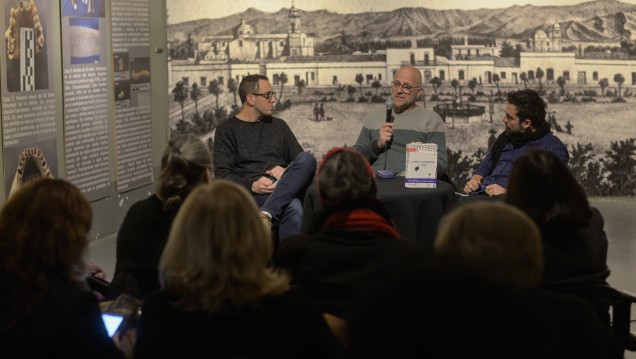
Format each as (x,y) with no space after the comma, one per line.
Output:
(299,43)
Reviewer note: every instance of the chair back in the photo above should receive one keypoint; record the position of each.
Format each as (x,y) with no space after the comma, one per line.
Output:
(613,306)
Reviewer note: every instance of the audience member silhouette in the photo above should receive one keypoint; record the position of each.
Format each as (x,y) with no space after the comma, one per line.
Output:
(574,242)
(46,307)
(353,241)
(219,298)
(478,298)
(186,162)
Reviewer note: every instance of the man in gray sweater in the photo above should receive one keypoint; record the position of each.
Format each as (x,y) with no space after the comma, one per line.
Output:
(412,123)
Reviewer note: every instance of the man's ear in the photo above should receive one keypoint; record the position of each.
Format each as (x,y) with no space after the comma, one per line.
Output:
(526,124)
(249,100)
(420,93)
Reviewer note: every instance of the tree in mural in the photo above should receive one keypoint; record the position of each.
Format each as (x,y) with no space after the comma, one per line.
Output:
(437,83)
(496,79)
(454,85)
(198,125)
(587,171)
(604,83)
(220,114)
(183,126)
(580,156)
(360,80)
(539,75)
(195,95)
(524,78)
(461,166)
(215,89)
(507,50)
(340,90)
(376,85)
(232,86)
(351,91)
(282,80)
(208,120)
(180,94)
(472,85)
(619,79)
(620,164)
(561,82)
(300,85)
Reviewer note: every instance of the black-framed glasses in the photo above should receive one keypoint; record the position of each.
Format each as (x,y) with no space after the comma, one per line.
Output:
(407,89)
(268,95)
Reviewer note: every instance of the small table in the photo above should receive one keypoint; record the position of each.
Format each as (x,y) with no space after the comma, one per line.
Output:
(415,211)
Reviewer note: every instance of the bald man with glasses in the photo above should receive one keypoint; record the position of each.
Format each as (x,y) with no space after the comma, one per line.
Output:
(261,153)
(412,123)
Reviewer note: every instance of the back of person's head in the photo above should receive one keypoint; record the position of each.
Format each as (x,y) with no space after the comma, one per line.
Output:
(218,250)
(529,106)
(543,187)
(43,234)
(491,243)
(345,177)
(183,165)
(249,85)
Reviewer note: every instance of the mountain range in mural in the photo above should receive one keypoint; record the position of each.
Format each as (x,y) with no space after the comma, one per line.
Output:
(594,21)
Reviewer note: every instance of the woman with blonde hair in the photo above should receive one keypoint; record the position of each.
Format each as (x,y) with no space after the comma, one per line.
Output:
(186,163)
(46,307)
(492,243)
(219,297)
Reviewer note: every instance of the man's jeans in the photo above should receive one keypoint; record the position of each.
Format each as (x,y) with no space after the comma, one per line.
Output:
(285,203)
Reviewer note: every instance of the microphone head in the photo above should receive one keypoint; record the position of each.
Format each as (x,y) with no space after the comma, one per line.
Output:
(389,104)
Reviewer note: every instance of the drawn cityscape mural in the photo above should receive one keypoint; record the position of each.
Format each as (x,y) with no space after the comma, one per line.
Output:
(330,69)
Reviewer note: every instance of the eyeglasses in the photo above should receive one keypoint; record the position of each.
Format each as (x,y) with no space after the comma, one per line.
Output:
(407,89)
(269,95)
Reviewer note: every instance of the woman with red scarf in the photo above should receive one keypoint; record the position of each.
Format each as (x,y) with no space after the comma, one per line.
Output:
(354,243)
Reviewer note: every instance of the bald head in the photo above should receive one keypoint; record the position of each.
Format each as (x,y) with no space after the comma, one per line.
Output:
(406,88)
(411,73)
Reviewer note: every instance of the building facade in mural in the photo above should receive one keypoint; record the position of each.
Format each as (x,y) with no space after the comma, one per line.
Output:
(541,42)
(294,52)
(247,45)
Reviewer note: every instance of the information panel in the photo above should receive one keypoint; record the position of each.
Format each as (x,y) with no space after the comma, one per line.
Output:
(28,100)
(85,61)
(131,64)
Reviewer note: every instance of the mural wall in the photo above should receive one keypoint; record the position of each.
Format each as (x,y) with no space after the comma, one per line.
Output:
(330,68)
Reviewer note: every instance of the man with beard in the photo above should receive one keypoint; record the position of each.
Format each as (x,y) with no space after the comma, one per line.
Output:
(526,129)
(412,123)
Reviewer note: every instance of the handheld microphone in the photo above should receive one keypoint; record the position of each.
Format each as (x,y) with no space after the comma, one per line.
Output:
(384,174)
(389,119)
(389,110)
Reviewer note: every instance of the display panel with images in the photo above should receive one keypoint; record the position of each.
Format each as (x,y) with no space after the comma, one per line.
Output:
(28,100)
(85,61)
